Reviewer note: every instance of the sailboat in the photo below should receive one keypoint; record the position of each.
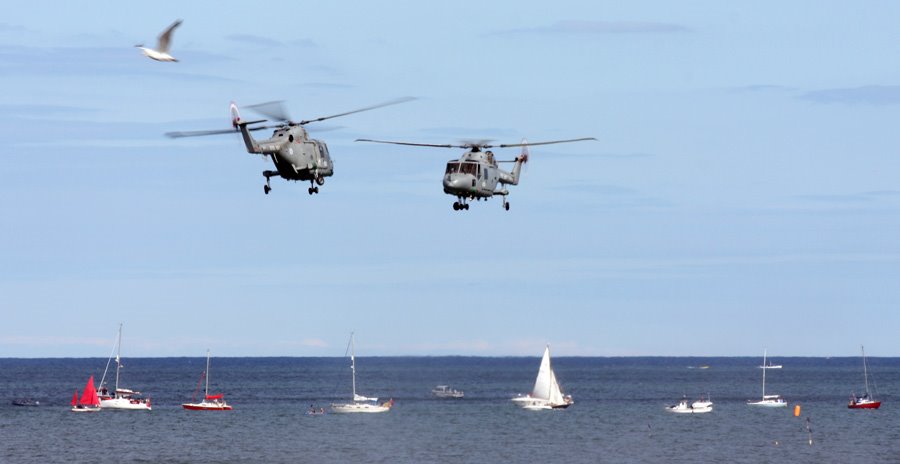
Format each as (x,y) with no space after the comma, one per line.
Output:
(89,401)
(866,401)
(120,398)
(546,393)
(360,403)
(210,402)
(770,401)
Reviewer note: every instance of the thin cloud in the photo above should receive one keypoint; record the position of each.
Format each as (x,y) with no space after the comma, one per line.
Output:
(32,110)
(877,95)
(759,88)
(6,27)
(585,27)
(851,198)
(260,41)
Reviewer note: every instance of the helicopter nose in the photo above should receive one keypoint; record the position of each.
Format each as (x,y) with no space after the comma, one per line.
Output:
(458,181)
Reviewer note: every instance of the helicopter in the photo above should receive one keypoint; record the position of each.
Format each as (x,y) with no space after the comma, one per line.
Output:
(476,175)
(296,156)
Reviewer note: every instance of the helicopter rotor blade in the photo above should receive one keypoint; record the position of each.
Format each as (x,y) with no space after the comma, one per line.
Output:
(373,107)
(413,144)
(531,144)
(180,134)
(234,130)
(273,110)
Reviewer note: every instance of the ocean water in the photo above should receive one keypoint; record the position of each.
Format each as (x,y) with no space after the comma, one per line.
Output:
(618,415)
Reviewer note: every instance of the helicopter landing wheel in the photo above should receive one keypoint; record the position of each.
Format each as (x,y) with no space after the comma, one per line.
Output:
(506,205)
(316,190)
(466,206)
(267,189)
(455,206)
(310,190)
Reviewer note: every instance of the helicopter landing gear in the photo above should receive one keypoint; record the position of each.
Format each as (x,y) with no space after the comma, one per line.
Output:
(268,187)
(458,205)
(312,188)
(506,205)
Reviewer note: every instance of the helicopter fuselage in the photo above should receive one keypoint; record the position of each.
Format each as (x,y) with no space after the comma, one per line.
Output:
(294,154)
(477,175)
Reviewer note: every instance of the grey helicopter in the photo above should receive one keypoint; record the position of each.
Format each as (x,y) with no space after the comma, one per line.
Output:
(476,175)
(296,156)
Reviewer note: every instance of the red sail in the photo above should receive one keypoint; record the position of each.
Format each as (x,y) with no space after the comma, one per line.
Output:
(75,398)
(89,397)
(215,397)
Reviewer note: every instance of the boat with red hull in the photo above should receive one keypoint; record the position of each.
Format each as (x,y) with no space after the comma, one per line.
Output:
(867,400)
(209,402)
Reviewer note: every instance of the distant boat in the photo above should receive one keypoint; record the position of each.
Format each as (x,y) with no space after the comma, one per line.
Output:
(867,400)
(360,403)
(209,402)
(444,391)
(25,402)
(770,366)
(686,407)
(546,393)
(120,398)
(770,401)
(89,401)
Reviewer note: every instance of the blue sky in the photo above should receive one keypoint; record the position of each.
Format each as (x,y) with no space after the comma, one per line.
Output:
(742,194)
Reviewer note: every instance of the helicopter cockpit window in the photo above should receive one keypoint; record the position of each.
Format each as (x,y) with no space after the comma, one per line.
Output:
(452,167)
(469,168)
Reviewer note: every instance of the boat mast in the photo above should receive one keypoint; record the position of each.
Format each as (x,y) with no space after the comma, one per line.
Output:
(353,364)
(865,370)
(207,375)
(764,374)
(118,357)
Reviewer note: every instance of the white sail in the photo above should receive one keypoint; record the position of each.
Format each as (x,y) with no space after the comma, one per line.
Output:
(556,396)
(546,393)
(545,378)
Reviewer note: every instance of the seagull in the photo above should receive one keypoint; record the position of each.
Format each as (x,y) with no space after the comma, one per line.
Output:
(162,48)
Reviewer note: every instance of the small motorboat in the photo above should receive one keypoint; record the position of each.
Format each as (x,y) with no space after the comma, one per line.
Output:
(686,407)
(444,391)
(25,402)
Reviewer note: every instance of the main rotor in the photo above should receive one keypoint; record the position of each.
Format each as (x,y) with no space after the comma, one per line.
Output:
(276,111)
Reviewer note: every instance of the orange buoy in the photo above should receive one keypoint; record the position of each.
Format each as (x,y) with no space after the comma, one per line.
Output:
(797,410)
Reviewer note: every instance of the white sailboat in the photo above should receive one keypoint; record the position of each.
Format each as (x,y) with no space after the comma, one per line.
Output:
(360,403)
(546,393)
(120,398)
(769,401)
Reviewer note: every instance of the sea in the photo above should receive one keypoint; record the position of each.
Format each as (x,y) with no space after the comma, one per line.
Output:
(619,413)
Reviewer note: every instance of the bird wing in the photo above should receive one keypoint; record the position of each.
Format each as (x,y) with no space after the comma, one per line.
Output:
(166,37)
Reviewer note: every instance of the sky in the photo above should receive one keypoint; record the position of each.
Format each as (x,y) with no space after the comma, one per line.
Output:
(742,194)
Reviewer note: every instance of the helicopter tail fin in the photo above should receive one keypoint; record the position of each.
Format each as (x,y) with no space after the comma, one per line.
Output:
(520,161)
(241,125)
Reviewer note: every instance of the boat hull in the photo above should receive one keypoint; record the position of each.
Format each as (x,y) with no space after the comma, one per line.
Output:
(768,404)
(125,404)
(864,405)
(359,407)
(206,407)
(85,409)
